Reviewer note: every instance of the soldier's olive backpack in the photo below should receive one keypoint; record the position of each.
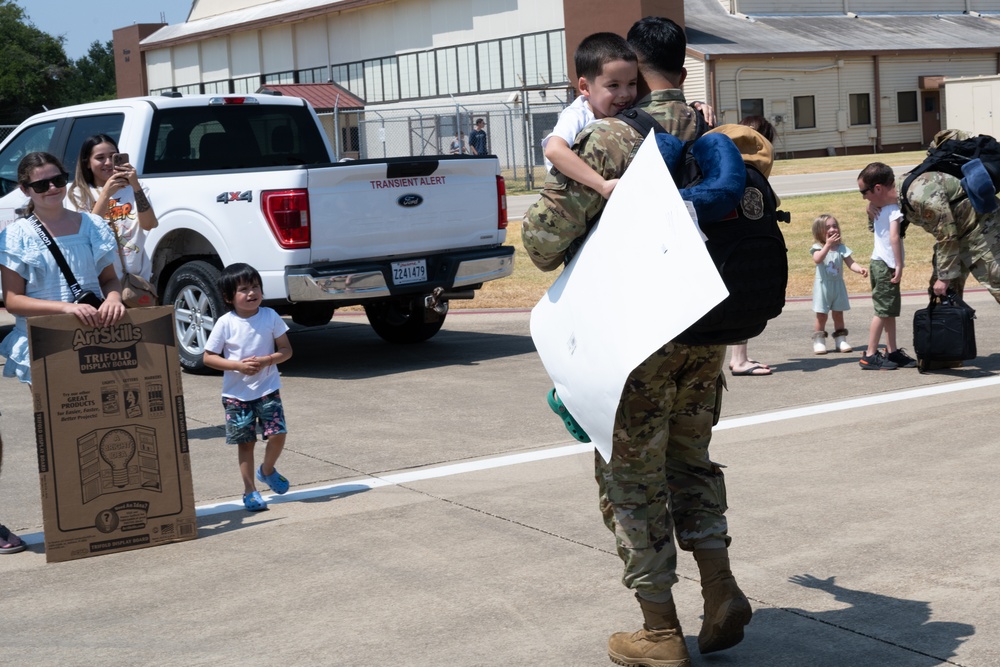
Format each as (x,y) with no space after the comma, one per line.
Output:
(976,161)
(737,211)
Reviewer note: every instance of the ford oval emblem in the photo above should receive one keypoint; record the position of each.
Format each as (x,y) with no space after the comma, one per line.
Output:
(410,200)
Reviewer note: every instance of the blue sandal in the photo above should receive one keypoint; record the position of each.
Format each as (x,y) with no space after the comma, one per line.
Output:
(571,424)
(276,481)
(253,502)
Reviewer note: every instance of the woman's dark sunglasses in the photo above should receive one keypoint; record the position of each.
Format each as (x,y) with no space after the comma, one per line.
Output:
(42,186)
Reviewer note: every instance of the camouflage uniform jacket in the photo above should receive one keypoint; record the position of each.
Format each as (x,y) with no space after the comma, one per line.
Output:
(561,214)
(941,208)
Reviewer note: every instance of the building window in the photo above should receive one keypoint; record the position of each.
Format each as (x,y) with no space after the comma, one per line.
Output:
(427,71)
(536,60)
(447,70)
(531,60)
(339,74)
(314,75)
(906,106)
(248,85)
(390,78)
(512,67)
(216,87)
(751,107)
(373,80)
(805,112)
(861,111)
(557,56)
(279,77)
(409,81)
(490,77)
(468,79)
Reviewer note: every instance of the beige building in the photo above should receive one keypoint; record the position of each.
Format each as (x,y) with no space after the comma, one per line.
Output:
(833,76)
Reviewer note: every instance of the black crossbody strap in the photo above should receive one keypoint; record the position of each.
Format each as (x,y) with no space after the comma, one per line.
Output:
(53,247)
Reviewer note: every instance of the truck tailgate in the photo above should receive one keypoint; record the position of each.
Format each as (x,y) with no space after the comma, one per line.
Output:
(404,208)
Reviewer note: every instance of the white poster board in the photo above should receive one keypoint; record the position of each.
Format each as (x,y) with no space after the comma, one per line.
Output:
(642,278)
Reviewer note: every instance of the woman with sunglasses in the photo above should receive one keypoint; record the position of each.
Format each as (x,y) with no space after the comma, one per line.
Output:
(32,281)
(113,193)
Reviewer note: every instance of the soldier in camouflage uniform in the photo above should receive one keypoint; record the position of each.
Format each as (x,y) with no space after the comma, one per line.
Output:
(660,478)
(966,241)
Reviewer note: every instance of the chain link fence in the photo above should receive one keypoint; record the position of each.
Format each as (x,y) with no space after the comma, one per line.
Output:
(5,131)
(514,131)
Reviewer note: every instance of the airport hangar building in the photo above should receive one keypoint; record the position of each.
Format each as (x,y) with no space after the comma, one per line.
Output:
(834,77)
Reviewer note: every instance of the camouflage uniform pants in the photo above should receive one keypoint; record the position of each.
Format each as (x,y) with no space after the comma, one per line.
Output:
(660,477)
(978,256)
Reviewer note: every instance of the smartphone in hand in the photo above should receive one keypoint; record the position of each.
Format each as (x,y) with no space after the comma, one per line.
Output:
(119,160)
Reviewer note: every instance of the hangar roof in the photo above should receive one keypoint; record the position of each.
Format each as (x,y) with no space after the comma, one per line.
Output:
(714,33)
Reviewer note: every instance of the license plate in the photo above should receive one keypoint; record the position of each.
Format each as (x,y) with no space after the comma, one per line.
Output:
(414,271)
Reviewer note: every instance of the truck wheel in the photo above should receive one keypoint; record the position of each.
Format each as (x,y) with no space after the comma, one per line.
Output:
(197,304)
(402,321)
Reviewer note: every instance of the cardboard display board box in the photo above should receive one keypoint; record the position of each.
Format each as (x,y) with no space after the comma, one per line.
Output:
(113,456)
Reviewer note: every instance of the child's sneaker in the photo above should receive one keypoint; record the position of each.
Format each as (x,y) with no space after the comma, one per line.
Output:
(876,362)
(253,502)
(902,359)
(275,480)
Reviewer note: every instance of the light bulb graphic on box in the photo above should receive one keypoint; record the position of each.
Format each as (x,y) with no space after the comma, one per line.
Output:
(117,459)
(117,448)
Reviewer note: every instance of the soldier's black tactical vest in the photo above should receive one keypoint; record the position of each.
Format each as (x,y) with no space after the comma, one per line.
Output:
(746,245)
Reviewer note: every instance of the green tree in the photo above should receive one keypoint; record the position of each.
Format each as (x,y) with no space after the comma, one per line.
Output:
(33,66)
(92,77)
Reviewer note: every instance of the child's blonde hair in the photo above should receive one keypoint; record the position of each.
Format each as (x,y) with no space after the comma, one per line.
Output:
(819,227)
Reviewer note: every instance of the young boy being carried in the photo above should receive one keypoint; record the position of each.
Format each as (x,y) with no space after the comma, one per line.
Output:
(608,71)
(877,184)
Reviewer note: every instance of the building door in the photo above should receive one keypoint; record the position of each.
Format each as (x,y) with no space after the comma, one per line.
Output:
(930,100)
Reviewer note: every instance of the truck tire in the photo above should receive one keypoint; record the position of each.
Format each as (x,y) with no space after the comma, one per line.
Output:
(197,302)
(402,321)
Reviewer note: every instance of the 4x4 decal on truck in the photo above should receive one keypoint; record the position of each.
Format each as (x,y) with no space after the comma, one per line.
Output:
(227,197)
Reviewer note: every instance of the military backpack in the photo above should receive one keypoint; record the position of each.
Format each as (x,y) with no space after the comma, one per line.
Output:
(737,211)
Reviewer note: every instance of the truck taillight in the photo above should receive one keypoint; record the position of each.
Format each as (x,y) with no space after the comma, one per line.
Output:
(501,203)
(287,212)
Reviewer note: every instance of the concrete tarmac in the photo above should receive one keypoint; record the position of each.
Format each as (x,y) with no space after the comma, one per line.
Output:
(441,515)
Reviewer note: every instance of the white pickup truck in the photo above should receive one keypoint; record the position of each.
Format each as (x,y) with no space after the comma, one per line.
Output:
(251,179)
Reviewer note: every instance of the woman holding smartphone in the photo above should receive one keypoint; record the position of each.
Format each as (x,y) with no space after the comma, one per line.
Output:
(107,186)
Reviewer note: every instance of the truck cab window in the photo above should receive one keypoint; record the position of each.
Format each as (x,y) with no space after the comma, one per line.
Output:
(34,138)
(88,126)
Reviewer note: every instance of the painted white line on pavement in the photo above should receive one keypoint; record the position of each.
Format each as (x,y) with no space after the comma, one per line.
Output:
(852,403)
(374,482)
(366,483)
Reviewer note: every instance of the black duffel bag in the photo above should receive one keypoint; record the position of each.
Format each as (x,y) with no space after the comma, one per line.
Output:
(944,332)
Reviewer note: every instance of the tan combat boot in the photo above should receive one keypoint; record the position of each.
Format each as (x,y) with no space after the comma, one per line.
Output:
(727,609)
(660,643)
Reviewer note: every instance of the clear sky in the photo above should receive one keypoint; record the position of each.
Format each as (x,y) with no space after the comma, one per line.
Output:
(82,22)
